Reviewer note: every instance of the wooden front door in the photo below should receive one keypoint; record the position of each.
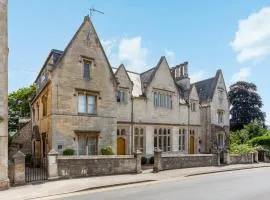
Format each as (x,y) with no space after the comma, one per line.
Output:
(191,145)
(121,146)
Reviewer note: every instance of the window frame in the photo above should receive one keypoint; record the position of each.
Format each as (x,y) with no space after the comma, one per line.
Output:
(139,133)
(220,116)
(86,95)
(163,139)
(90,64)
(162,100)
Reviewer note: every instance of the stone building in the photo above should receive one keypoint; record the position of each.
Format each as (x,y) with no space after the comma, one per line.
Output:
(84,104)
(4,181)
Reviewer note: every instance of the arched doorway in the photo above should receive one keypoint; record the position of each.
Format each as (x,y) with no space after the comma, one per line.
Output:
(191,145)
(121,146)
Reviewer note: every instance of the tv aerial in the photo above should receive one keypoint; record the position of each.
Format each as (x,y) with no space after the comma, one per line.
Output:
(93,10)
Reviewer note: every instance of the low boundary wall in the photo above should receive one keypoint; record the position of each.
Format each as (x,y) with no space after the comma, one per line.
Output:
(167,161)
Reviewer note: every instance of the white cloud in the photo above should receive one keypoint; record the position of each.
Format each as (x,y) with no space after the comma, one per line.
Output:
(132,53)
(198,76)
(252,39)
(170,56)
(242,75)
(108,45)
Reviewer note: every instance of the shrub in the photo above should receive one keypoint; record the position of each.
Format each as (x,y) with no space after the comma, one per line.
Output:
(151,160)
(107,150)
(68,152)
(143,160)
(261,140)
(241,149)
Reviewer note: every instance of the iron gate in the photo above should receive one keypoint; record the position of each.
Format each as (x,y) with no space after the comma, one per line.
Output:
(36,169)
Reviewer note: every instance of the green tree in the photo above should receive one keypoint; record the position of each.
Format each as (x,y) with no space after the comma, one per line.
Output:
(18,106)
(246,105)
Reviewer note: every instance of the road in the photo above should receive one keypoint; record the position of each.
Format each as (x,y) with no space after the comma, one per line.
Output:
(236,185)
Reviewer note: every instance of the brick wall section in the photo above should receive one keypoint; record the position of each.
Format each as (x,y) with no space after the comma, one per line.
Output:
(80,166)
(241,159)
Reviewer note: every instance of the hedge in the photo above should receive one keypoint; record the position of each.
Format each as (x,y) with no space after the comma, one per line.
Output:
(261,140)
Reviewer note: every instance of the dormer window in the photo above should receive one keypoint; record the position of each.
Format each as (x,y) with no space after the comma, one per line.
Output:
(87,69)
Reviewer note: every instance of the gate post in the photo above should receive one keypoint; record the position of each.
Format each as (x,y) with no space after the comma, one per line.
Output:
(138,156)
(19,168)
(157,160)
(52,165)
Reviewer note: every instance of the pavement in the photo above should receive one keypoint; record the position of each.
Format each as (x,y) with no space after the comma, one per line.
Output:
(67,186)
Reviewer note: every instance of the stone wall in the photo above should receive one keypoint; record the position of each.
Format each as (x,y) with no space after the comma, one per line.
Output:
(22,140)
(79,166)
(177,161)
(241,159)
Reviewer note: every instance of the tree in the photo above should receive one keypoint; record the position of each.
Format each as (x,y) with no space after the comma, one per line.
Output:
(18,106)
(246,105)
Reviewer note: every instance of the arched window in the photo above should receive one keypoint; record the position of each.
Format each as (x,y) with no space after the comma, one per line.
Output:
(118,132)
(123,132)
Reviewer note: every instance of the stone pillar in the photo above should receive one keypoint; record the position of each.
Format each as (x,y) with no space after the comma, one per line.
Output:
(138,156)
(4,181)
(52,165)
(227,158)
(19,168)
(157,160)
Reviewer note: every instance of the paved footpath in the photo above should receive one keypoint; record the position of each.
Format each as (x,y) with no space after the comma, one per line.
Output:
(54,188)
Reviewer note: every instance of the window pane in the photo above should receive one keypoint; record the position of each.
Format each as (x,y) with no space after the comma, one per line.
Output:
(92,146)
(155,142)
(136,131)
(86,71)
(141,143)
(81,104)
(136,142)
(91,104)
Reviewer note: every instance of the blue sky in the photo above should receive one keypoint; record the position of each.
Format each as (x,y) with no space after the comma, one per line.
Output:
(231,35)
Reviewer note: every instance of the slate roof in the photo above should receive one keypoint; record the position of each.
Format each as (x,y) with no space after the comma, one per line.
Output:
(206,88)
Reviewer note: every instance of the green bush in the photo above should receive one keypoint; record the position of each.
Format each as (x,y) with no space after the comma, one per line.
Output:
(241,149)
(261,140)
(68,152)
(143,160)
(107,150)
(151,160)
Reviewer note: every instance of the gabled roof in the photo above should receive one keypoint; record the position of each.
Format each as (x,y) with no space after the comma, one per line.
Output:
(122,66)
(59,55)
(143,80)
(206,88)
